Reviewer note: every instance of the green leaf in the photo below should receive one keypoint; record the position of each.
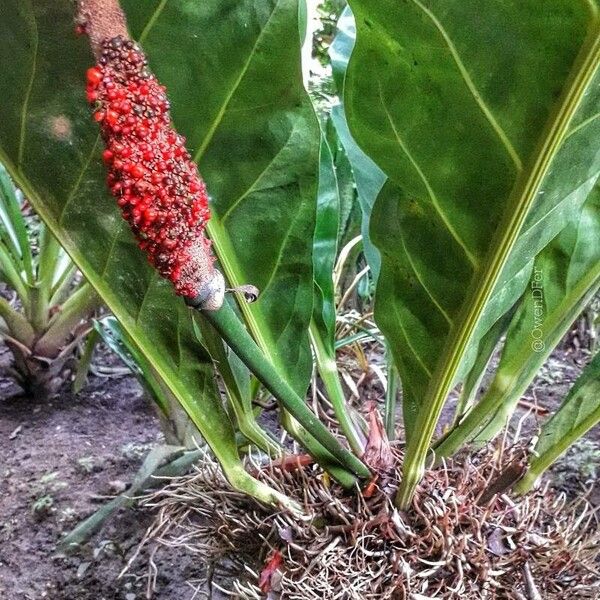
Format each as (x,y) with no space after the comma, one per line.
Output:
(325,245)
(233,73)
(13,231)
(369,180)
(350,217)
(116,339)
(485,352)
(236,381)
(578,413)
(368,176)
(341,47)
(154,464)
(483,116)
(565,278)
(52,149)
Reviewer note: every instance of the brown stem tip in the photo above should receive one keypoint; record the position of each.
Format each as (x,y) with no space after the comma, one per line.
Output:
(102,20)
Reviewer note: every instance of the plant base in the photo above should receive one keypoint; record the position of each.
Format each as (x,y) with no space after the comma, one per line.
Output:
(448,545)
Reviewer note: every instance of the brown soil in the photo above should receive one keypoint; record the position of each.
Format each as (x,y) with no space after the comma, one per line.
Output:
(62,459)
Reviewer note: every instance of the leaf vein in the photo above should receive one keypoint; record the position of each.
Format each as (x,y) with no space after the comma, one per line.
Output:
(145,297)
(221,113)
(434,200)
(152,20)
(581,125)
(25,108)
(422,282)
(252,187)
(281,250)
(410,346)
(78,181)
(113,243)
(472,88)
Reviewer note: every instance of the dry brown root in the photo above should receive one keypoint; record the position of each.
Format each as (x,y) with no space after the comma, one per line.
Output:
(448,546)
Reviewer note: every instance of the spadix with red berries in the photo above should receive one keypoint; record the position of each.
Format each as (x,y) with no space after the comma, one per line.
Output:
(150,173)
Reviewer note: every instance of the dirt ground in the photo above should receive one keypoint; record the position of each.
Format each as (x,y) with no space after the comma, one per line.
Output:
(62,459)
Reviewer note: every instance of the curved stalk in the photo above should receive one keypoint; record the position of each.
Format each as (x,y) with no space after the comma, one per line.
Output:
(61,326)
(16,323)
(62,287)
(10,274)
(230,328)
(327,368)
(577,414)
(316,450)
(241,406)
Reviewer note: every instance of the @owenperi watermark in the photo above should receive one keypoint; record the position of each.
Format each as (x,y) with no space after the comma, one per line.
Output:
(537,297)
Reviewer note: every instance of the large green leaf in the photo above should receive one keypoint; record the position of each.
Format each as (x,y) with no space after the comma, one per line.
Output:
(566,276)
(233,73)
(369,180)
(578,413)
(51,148)
(341,47)
(483,116)
(236,94)
(368,176)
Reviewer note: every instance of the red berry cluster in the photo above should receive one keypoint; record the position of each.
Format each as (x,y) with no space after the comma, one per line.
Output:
(150,172)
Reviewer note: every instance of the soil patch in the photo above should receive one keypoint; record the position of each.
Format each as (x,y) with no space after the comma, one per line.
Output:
(61,460)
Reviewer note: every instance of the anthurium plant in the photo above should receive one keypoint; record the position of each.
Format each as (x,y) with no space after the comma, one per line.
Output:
(472,133)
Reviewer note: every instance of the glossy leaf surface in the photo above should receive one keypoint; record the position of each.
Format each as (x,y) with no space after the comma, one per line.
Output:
(233,73)
(483,117)
(248,122)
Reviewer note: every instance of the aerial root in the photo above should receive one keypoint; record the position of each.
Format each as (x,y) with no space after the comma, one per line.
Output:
(448,546)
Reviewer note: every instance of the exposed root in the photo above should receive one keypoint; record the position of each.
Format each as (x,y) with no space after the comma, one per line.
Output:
(450,545)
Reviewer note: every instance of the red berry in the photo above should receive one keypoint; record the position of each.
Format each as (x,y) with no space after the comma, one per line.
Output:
(94,76)
(137,171)
(112,117)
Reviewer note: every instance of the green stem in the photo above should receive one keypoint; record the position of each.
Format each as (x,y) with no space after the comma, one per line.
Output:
(11,276)
(47,259)
(85,360)
(61,289)
(516,372)
(17,324)
(540,463)
(239,340)
(15,238)
(240,403)
(317,451)
(39,307)
(77,308)
(328,371)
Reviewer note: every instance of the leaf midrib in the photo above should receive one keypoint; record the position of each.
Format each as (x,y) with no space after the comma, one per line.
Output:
(519,205)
